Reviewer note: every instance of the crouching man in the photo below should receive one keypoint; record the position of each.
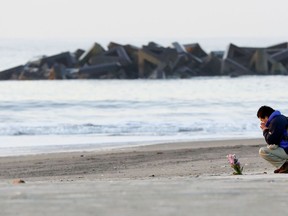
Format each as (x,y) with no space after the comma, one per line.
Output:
(274,126)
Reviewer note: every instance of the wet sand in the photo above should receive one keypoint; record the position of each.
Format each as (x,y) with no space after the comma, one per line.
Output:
(203,158)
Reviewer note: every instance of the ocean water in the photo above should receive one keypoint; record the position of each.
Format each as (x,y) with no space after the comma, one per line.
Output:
(45,116)
(68,115)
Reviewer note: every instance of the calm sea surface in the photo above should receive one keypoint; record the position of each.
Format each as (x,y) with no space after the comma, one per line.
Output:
(53,116)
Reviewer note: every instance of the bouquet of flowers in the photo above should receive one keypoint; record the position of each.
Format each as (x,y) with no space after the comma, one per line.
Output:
(235,164)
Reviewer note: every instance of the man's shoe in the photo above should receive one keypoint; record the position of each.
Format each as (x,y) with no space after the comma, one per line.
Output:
(277,170)
(284,168)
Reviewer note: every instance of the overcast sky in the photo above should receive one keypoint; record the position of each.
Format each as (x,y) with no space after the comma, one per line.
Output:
(143,19)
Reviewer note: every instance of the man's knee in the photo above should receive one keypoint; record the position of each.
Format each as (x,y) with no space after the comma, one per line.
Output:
(262,151)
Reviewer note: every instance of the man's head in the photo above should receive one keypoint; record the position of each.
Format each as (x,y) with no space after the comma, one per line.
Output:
(264,112)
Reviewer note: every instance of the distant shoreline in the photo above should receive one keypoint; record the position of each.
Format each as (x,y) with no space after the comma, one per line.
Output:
(33,149)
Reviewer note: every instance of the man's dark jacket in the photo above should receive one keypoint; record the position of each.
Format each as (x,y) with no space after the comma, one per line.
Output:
(277,130)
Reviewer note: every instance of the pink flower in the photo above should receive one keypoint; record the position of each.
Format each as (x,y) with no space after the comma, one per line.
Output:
(235,164)
(231,158)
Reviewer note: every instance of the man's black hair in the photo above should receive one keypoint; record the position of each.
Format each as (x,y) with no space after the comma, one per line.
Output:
(264,111)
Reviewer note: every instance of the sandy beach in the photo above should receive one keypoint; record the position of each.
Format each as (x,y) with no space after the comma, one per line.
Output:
(163,179)
(203,158)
